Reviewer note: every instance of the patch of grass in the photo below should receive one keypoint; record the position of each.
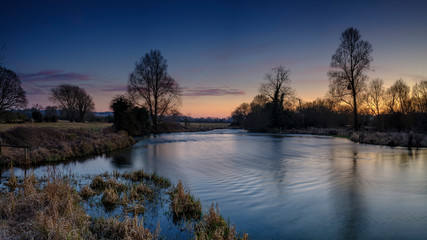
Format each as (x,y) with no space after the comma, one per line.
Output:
(62,125)
(86,192)
(52,212)
(110,198)
(12,183)
(183,204)
(98,183)
(160,181)
(113,228)
(213,226)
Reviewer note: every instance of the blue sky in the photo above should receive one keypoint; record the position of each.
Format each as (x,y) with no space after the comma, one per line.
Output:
(218,51)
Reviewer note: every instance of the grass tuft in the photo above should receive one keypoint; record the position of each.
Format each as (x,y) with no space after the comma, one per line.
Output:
(213,226)
(86,192)
(183,205)
(113,228)
(110,198)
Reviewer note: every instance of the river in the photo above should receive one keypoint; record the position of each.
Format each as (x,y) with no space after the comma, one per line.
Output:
(277,186)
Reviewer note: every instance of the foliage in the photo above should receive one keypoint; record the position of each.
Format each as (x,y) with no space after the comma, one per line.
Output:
(151,86)
(127,117)
(37,116)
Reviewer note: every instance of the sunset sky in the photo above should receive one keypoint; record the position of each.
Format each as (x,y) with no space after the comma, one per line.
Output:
(218,51)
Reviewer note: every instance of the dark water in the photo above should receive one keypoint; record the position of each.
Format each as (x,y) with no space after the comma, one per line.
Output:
(288,186)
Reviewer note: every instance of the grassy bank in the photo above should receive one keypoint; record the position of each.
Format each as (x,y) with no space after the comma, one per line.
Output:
(54,144)
(412,140)
(60,207)
(63,125)
(172,127)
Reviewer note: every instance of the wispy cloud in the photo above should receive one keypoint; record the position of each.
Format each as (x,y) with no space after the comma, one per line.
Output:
(52,76)
(208,91)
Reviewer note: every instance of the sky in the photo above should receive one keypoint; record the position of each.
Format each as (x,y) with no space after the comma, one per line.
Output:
(217,51)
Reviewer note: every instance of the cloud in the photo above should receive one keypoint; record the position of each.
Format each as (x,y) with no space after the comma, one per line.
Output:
(207,91)
(52,76)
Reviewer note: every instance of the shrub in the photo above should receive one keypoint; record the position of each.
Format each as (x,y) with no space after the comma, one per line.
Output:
(37,116)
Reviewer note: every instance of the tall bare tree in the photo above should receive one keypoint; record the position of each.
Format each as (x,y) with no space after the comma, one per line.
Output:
(348,66)
(151,86)
(11,93)
(73,100)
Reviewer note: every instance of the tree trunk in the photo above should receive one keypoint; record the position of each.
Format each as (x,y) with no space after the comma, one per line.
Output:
(356,125)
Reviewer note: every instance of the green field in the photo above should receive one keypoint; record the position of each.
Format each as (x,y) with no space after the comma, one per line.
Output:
(92,126)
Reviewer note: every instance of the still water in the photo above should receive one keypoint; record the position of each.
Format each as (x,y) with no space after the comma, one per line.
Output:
(288,186)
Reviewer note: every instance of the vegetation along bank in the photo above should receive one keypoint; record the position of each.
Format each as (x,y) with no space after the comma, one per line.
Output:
(35,145)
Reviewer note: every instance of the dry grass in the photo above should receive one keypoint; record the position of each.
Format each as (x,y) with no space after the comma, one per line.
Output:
(213,226)
(183,204)
(86,192)
(53,210)
(113,228)
(50,208)
(62,125)
(110,198)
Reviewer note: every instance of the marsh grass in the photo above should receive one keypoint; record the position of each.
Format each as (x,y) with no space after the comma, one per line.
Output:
(184,206)
(51,208)
(113,228)
(214,226)
(110,198)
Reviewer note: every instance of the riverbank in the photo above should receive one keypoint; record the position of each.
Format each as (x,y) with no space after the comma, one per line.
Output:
(411,140)
(36,145)
(174,127)
(109,206)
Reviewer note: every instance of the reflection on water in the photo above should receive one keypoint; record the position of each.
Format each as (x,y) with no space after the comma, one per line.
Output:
(288,186)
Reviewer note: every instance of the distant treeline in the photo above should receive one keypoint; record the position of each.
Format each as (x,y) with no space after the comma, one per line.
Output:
(397,108)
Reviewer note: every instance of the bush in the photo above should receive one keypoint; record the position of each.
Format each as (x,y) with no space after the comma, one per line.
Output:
(37,116)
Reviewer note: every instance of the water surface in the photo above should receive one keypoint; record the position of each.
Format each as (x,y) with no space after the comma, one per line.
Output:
(277,186)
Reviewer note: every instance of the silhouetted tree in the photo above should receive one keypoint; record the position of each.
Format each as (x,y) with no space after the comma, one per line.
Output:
(419,95)
(11,93)
(73,100)
(374,96)
(51,114)
(398,97)
(240,113)
(129,118)
(37,116)
(349,64)
(151,86)
(277,88)
(398,103)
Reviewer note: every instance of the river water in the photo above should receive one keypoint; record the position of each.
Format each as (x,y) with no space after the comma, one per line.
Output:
(276,186)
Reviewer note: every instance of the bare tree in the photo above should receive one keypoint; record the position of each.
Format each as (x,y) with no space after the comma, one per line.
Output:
(277,87)
(419,95)
(278,90)
(151,86)
(349,64)
(73,100)
(399,98)
(374,97)
(11,93)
